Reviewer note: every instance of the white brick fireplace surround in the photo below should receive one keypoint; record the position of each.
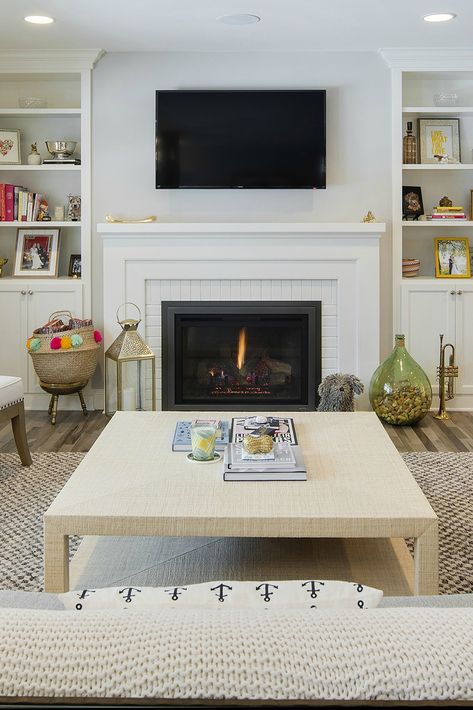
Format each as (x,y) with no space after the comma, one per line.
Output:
(336,263)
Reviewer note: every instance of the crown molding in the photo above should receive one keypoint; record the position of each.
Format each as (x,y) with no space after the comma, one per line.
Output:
(440,58)
(49,60)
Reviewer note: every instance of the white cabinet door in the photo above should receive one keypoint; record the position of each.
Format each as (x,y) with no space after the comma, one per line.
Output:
(13,354)
(44,299)
(464,337)
(428,309)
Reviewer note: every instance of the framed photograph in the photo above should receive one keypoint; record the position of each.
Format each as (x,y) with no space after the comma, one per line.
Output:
(439,138)
(412,205)
(37,253)
(10,146)
(452,258)
(75,266)
(73,208)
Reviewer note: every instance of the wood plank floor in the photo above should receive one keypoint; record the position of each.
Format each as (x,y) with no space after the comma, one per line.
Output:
(74,432)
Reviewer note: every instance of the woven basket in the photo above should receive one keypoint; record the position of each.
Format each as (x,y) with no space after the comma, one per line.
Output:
(63,367)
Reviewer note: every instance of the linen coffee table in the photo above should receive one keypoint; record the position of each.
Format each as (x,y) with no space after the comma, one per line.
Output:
(131,483)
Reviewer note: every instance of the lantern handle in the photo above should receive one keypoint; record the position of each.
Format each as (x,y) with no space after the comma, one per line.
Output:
(129,303)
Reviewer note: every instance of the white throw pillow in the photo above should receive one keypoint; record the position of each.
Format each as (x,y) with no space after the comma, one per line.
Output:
(293,594)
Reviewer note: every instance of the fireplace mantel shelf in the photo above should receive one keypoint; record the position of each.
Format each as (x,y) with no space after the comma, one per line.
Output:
(269,229)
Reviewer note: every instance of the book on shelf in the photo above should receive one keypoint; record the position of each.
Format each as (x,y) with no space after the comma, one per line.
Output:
(18,204)
(181,440)
(448,212)
(61,161)
(9,203)
(287,465)
(281,429)
(449,216)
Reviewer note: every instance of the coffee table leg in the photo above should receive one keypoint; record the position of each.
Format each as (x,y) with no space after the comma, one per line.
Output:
(56,560)
(426,561)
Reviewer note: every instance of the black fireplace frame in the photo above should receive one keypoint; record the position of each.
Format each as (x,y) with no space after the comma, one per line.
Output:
(169,311)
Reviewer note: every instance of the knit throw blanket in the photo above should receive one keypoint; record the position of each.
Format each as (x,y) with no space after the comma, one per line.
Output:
(379,654)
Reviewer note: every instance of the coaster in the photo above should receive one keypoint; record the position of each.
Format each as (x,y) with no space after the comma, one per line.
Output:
(217,457)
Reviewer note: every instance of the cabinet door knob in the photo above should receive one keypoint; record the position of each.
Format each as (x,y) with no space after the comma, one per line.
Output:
(30,293)
(452,293)
(459,293)
(23,292)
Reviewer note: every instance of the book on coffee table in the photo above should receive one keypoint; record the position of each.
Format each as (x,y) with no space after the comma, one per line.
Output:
(287,465)
(181,440)
(282,429)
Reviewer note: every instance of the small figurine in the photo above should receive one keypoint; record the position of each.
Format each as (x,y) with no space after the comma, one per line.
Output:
(2,264)
(34,157)
(445,202)
(43,211)
(369,217)
(337,393)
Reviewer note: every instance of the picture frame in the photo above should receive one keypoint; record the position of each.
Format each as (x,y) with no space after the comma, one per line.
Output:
(10,146)
(471,204)
(452,258)
(412,204)
(439,137)
(75,266)
(73,213)
(36,253)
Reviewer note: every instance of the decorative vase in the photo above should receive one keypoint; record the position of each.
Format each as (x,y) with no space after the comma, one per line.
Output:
(409,146)
(400,391)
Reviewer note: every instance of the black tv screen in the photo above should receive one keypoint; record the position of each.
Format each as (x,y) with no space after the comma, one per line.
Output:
(235,139)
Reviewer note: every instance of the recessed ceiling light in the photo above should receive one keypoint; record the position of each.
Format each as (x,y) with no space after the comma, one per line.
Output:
(39,19)
(240,19)
(439,17)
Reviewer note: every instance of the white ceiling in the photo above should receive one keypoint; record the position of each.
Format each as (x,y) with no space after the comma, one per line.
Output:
(190,25)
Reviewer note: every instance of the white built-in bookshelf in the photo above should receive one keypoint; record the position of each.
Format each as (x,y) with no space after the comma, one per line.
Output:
(425,306)
(62,79)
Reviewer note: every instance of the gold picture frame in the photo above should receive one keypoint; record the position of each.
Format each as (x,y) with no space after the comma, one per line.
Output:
(452,258)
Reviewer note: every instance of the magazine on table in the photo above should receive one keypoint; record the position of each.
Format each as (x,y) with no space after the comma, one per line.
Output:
(281,429)
(282,456)
(288,465)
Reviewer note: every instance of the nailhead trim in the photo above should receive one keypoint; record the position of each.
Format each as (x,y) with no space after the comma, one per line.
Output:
(15,401)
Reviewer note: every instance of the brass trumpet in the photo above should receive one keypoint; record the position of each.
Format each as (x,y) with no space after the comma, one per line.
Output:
(446,372)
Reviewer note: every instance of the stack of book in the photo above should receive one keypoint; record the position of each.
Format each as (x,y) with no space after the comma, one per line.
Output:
(17,204)
(452,212)
(283,463)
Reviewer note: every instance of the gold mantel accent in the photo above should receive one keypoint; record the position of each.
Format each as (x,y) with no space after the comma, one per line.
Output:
(118,220)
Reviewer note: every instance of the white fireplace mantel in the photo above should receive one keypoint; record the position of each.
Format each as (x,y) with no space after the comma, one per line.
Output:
(147,263)
(311,229)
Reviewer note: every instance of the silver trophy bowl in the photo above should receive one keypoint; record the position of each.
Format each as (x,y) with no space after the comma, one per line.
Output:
(61,150)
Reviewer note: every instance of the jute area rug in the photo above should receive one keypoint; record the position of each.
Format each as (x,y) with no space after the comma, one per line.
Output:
(25,493)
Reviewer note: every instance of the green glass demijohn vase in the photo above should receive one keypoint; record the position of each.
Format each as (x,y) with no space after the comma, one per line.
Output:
(400,391)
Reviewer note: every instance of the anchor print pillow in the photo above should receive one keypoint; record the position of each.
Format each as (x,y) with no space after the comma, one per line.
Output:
(303,594)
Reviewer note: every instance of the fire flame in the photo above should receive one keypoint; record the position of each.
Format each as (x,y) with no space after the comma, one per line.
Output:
(241,348)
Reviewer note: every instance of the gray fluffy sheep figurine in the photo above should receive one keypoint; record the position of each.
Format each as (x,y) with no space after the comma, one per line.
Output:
(337,393)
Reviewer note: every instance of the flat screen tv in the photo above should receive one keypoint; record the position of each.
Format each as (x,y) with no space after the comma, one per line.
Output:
(240,139)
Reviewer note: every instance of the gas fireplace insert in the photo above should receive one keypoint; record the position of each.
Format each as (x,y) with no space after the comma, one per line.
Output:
(238,354)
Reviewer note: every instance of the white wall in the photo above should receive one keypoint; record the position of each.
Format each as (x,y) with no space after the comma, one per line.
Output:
(358,142)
